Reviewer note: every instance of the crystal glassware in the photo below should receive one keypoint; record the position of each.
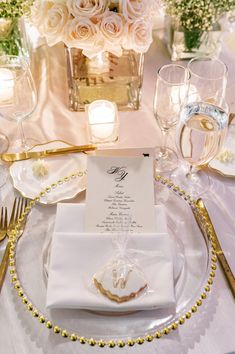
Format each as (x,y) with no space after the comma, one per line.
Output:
(18,98)
(208,79)
(200,135)
(170,92)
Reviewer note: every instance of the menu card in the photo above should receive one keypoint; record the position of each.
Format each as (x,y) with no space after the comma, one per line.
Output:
(120,195)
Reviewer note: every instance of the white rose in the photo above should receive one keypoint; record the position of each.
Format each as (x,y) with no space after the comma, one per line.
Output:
(139,36)
(112,29)
(87,8)
(54,23)
(134,9)
(81,33)
(39,10)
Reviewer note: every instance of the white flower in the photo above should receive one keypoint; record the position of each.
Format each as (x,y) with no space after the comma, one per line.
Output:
(139,36)
(54,23)
(87,8)
(134,9)
(81,33)
(39,10)
(112,30)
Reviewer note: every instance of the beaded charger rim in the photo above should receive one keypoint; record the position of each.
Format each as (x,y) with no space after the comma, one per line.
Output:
(207,231)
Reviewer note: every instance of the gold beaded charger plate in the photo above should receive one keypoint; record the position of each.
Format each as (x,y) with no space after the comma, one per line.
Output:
(191,288)
(29,184)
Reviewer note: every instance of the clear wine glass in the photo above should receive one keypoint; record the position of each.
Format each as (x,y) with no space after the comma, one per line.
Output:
(18,98)
(208,79)
(200,135)
(170,92)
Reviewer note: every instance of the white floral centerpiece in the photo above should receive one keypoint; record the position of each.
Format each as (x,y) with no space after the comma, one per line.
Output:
(105,41)
(96,26)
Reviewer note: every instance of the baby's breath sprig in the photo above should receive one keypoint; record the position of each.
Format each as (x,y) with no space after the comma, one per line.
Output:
(14,8)
(197,16)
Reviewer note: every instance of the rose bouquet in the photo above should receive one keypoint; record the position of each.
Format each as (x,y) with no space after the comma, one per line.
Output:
(96,26)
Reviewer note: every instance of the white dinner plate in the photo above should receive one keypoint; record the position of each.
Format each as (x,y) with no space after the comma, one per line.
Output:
(58,166)
(226,168)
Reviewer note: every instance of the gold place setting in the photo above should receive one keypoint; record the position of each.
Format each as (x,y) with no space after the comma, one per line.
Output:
(117,182)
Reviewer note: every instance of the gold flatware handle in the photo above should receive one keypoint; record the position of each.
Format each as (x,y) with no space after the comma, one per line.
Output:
(4,264)
(218,249)
(45,153)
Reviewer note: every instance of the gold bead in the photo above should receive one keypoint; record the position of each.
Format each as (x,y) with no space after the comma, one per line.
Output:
(140,341)
(213,267)
(30,307)
(188,315)
(111,344)
(210,281)
(64,333)
(12,271)
(35,313)
(199,302)
(130,342)
(214,259)
(121,344)
(207,288)
(203,296)
(42,319)
(174,326)
(25,300)
(212,274)
(14,279)
(158,335)
(166,330)
(101,343)
(92,342)
(20,293)
(17,286)
(73,337)
(82,340)
(12,263)
(56,329)
(181,320)
(49,324)
(149,338)
(194,308)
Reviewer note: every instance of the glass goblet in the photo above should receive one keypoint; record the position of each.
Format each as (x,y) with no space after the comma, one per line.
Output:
(208,79)
(170,92)
(18,96)
(200,135)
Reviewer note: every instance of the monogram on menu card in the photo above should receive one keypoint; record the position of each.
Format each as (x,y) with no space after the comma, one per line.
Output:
(119,172)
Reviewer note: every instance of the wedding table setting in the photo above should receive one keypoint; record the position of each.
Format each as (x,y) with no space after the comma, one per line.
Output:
(117,177)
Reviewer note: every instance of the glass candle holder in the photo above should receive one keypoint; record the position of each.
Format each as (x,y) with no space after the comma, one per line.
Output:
(102,122)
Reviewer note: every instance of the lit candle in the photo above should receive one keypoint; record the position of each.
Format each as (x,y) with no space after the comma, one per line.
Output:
(6,86)
(102,121)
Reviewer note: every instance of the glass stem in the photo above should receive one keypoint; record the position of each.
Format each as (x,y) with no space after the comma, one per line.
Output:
(164,141)
(192,173)
(22,136)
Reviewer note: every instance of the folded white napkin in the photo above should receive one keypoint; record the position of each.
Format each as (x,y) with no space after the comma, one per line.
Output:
(76,256)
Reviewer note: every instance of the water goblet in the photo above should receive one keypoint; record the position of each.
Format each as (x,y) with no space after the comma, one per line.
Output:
(170,92)
(18,97)
(200,135)
(208,79)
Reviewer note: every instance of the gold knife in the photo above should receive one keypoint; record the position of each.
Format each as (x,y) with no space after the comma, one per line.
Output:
(45,153)
(218,249)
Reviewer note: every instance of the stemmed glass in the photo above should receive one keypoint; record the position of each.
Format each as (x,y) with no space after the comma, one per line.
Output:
(200,135)
(170,92)
(18,96)
(208,79)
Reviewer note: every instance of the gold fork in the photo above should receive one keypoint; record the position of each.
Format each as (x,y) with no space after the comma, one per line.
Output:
(17,209)
(3,223)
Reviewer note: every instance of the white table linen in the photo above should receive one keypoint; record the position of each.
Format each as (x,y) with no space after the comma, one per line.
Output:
(212,328)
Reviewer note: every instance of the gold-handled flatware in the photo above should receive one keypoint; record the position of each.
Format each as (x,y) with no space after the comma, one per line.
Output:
(45,153)
(3,223)
(17,209)
(218,249)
